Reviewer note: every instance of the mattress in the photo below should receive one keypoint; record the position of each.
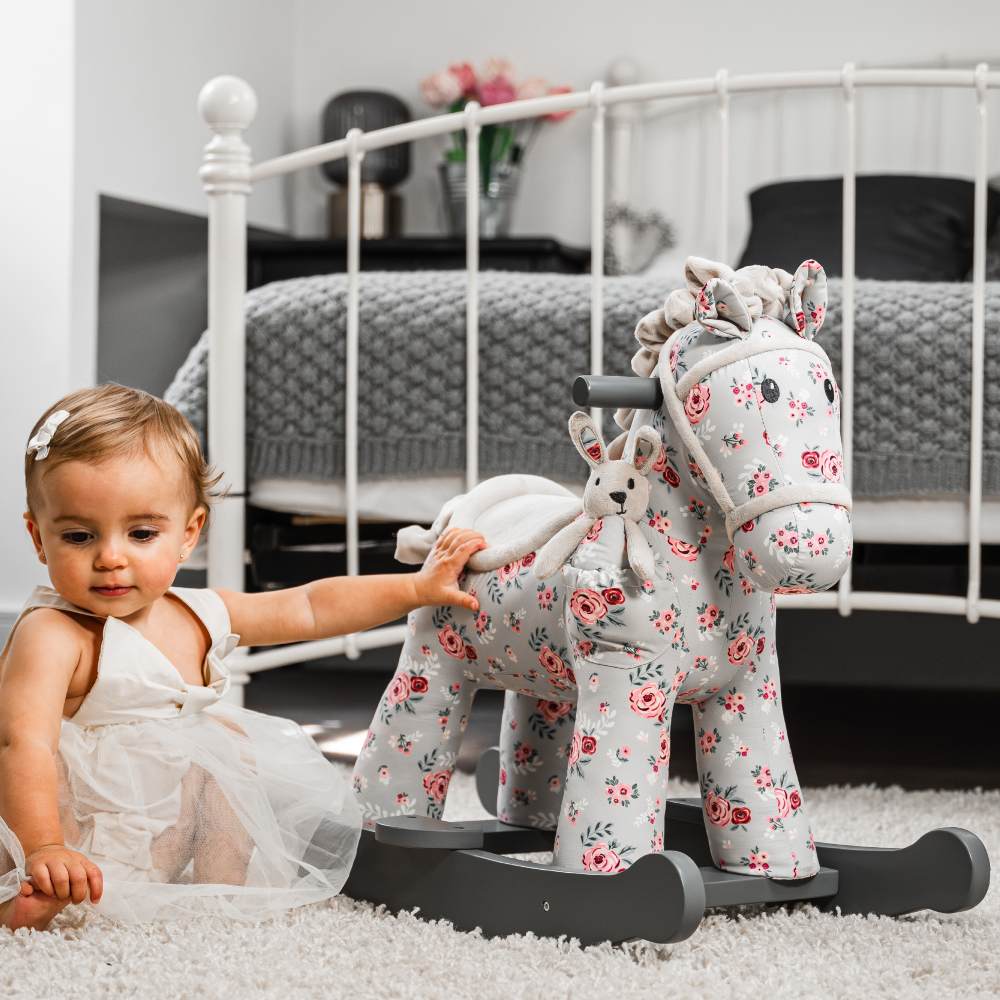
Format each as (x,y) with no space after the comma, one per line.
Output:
(938,521)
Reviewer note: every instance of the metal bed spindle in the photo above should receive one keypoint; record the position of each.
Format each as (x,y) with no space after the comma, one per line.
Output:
(597,136)
(228,106)
(355,155)
(978,351)
(722,89)
(849,213)
(472,185)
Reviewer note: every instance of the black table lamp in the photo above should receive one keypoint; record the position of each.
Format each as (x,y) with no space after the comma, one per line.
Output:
(381,169)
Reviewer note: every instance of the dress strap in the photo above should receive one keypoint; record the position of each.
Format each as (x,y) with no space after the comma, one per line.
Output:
(208,606)
(43,597)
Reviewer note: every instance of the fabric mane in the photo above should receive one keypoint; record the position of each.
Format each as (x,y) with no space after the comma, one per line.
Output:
(764,290)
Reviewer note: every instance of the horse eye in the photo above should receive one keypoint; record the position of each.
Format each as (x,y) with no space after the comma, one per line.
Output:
(597,481)
(631,484)
(769,390)
(828,389)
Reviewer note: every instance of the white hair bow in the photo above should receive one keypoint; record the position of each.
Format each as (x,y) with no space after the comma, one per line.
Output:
(39,444)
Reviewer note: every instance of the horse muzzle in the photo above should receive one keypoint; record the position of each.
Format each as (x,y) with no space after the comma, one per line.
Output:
(798,549)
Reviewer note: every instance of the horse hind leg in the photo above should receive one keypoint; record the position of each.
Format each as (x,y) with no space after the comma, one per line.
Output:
(409,753)
(534,740)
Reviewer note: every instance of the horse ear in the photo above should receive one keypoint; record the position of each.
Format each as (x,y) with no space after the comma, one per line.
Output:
(807,299)
(720,308)
(587,439)
(647,447)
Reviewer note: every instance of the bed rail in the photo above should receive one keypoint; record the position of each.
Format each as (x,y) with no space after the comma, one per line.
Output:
(228,107)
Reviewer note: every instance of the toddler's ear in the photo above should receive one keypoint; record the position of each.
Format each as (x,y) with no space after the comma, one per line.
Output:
(35,534)
(587,439)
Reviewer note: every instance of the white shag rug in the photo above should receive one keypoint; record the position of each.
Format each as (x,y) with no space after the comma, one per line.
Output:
(347,949)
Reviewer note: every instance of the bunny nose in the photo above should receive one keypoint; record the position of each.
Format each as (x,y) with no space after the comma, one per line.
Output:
(618,496)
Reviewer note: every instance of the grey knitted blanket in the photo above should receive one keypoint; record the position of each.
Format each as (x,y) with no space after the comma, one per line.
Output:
(912,346)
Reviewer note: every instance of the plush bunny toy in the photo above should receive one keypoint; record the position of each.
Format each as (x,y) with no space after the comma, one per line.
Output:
(615,489)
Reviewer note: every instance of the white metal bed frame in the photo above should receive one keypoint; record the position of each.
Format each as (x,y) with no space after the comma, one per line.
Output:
(228,106)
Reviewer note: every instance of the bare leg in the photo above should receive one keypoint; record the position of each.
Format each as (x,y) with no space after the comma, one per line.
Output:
(172,850)
(222,847)
(30,909)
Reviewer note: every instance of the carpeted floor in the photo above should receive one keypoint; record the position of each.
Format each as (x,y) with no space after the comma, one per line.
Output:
(345,949)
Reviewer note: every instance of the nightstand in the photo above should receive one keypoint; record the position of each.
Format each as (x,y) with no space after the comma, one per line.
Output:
(273,259)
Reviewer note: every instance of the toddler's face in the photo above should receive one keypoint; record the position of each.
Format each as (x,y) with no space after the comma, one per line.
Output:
(112,533)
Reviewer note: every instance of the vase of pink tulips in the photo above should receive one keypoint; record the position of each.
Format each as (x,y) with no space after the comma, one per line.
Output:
(502,147)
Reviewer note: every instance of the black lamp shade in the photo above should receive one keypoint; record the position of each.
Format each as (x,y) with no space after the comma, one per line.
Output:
(367,110)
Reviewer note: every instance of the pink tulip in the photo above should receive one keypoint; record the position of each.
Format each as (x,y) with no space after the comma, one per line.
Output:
(466,76)
(440,89)
(499,90)
(558,116)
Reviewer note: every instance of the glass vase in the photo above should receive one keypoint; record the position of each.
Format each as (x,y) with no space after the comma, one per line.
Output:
(496,202)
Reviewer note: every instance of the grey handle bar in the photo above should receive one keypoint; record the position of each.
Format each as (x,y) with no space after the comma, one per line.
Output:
(630,391)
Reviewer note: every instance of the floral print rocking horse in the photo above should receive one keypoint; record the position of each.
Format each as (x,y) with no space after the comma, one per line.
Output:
(746,499)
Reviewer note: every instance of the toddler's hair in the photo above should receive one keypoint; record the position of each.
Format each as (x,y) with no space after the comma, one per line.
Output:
(111,420)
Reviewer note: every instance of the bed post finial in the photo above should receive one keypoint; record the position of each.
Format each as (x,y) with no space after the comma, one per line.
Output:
(228,106)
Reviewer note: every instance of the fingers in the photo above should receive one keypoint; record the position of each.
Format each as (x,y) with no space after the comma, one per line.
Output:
(95,879)
(43,883)
(461,599)
(79,887)
(456,540)
(27,889)
(60,879)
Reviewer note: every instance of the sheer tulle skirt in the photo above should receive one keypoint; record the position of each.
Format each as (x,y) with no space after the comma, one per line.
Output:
(226,812)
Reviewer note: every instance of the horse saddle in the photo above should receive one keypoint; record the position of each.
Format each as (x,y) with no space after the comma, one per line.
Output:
(516,514)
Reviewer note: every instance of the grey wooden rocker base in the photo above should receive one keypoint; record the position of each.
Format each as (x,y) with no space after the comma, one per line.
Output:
(460,872)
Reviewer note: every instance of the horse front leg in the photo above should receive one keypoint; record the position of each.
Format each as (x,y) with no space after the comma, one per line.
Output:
(754,811)
(613,805)
(410,750)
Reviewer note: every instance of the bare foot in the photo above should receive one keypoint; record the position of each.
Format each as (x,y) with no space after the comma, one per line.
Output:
(30,909)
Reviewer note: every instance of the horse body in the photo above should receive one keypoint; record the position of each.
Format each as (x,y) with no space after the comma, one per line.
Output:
(593,661)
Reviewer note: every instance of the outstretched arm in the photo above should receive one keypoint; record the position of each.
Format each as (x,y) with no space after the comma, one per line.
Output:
(341,604)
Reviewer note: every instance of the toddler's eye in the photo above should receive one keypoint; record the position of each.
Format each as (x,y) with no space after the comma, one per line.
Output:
(144,534)
(76,537)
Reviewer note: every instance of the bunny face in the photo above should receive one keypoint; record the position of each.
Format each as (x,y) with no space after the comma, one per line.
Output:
(615,488)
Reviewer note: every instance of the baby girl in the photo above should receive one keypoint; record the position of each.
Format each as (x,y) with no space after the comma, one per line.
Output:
(125,778)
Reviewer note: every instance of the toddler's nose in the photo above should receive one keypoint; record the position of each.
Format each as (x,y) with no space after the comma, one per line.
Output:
(618,496)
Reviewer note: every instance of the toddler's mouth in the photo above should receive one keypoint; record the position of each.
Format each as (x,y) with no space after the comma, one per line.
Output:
(111,591)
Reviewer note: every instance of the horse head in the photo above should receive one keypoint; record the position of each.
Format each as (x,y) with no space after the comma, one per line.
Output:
(752,399)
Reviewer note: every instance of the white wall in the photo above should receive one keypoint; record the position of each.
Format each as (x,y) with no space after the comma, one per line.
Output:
(36,219)
(394,45)
(100,96)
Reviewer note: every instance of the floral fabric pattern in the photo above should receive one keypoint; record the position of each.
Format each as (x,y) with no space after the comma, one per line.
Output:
(594,661)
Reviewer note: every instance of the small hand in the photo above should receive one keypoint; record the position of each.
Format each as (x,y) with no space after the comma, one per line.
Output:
(63,873)
(436,581)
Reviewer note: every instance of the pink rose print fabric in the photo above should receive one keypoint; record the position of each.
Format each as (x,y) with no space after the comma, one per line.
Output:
(593,662)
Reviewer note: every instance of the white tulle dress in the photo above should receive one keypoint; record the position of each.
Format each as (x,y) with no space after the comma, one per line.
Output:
(190,805)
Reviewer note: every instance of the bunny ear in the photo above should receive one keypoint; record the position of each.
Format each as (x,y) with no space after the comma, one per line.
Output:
(721,308)
(647,447)
(807,299)
(587,439)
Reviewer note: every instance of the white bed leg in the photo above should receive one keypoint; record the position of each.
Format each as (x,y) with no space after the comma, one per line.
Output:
(228,106)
